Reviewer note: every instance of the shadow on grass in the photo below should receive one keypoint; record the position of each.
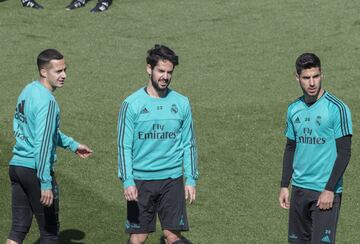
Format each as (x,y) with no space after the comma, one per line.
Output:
(70,236)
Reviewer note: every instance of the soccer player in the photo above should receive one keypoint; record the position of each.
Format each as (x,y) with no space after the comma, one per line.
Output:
(37,134)
(156,143)
(317,152)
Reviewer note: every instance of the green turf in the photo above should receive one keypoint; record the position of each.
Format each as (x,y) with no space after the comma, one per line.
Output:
(237,67)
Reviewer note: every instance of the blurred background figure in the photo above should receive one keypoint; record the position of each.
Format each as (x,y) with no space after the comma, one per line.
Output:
(102,5)
(31,4)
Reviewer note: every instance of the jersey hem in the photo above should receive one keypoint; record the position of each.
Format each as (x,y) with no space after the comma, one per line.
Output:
(16,161)
(162,177)
(339,190)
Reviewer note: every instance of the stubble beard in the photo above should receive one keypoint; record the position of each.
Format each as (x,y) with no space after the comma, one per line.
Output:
(157,87)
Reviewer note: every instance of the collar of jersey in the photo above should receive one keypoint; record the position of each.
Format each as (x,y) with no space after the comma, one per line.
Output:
(314,104)
(157,98)
(39,84)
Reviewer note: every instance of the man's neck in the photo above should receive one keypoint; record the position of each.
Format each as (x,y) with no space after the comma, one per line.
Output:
(46,84)
(312,99)
(152,92)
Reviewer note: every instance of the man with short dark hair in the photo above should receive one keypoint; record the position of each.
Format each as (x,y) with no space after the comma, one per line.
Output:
(37,134)
(156,142)
(317,152)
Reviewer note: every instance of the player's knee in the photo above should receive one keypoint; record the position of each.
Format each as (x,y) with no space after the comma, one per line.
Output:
(49,227)
(21,222)
(49,235)
(8,241)
(137,238)
(18,232)
(49,239)
(16,236)
(182,241)
(179,241)
(172,237)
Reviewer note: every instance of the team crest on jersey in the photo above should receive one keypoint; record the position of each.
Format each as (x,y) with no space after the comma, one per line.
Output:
(318,120)
(174,109)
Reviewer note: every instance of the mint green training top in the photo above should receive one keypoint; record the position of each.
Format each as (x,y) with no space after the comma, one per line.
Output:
(156,138)
(36,131)
(315,130)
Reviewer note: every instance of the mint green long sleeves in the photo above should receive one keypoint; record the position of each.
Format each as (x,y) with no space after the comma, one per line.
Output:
(156,139)
(36,130)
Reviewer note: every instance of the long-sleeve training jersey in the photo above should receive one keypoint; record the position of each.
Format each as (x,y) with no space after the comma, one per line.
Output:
(36,130)
(156,138)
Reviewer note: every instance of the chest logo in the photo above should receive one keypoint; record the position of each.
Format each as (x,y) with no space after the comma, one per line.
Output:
(318,120)
(144,111)
(306,136)
(19,112)
(174,109)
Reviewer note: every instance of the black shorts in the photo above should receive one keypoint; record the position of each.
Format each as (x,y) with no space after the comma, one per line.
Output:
(26,195)
(165,198)
(308,223)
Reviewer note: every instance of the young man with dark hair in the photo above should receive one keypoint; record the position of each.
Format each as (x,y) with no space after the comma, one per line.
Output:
(317,152)
(156,143)
(37,134)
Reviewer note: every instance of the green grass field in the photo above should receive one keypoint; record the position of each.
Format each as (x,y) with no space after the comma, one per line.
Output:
(236,65)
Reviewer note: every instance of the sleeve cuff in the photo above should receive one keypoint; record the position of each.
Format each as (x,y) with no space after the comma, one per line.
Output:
(129,182)
(46,185)
(190,182)
(330,188)
(284,184)
(74,146)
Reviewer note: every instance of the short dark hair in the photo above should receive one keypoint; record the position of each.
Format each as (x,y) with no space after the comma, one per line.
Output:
(307,61)
(161,52)
(46,56)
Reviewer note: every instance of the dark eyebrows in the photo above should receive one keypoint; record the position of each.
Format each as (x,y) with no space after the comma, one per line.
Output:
(308,76)
(162,71)
(60,70)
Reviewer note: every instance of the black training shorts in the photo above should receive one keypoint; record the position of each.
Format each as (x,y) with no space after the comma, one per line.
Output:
(309,224)
(165,198)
